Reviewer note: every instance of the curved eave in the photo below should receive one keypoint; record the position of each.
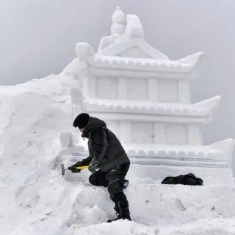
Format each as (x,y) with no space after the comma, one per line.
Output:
(176,152)
(144,108)
(209,104)
(112,62)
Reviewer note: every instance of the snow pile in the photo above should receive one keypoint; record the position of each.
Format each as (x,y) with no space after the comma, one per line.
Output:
(32,115)
(36,199)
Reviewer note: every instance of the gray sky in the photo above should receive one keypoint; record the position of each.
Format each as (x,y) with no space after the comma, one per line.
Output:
(38,38)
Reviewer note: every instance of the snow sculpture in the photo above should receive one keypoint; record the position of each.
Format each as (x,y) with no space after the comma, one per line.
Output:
(119,21)
(66,139)
(145,99)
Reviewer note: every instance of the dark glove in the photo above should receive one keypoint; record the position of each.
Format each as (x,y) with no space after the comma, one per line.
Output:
(74,169)
(93,165)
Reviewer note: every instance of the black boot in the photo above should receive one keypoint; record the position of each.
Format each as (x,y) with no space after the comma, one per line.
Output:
(121,207)
(116,208)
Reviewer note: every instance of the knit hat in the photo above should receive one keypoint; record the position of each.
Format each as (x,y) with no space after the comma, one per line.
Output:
(81,120)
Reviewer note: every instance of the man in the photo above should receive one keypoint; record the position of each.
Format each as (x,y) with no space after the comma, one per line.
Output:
(107,161)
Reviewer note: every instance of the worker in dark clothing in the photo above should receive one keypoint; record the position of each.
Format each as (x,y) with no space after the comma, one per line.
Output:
(107,161)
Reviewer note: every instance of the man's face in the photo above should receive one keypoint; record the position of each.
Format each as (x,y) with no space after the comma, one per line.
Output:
(81,129)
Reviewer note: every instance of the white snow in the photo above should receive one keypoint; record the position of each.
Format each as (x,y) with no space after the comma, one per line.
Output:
(36,136)
(36,199)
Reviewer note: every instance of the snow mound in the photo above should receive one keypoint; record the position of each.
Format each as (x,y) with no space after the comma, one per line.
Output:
(32,116)
(36,199)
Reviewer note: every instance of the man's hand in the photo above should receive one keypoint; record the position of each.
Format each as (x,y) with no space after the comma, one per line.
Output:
(93,165)
(74,169)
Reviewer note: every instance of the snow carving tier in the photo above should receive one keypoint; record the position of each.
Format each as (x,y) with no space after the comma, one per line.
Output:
(145,98)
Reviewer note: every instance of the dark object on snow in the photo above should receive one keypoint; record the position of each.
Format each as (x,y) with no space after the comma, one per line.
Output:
(121,207)
(188,179)
(74,169)
(77,167)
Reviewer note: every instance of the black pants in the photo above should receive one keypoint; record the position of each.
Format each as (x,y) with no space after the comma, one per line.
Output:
(113,179)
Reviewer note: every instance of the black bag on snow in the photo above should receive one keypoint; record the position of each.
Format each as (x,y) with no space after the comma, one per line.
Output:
(188,179)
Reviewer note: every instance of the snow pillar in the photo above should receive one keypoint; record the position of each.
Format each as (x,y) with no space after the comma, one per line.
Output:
(194,134)
(125,131)
(85,84)
(122,87)
(184,93)
(159,133)
(152,89)
(92,86)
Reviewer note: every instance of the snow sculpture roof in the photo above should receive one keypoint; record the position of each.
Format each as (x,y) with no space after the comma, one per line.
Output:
(125,45)
(161,65)
(177,152)
(145,107)
(209,104)
(134,28)
(127,37)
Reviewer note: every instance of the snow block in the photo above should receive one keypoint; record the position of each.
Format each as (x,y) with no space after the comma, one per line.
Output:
(65,139)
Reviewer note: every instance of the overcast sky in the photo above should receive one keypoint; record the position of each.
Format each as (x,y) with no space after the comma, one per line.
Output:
(38,38)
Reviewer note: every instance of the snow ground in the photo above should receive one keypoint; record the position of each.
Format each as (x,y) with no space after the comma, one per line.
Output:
(36,199)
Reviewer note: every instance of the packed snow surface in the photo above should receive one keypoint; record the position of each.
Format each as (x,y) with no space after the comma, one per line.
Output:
(36,199)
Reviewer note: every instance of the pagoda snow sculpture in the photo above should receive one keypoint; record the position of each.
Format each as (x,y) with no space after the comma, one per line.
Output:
(145,98)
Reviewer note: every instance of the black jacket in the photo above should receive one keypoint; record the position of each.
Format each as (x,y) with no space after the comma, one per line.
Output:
(103,146)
